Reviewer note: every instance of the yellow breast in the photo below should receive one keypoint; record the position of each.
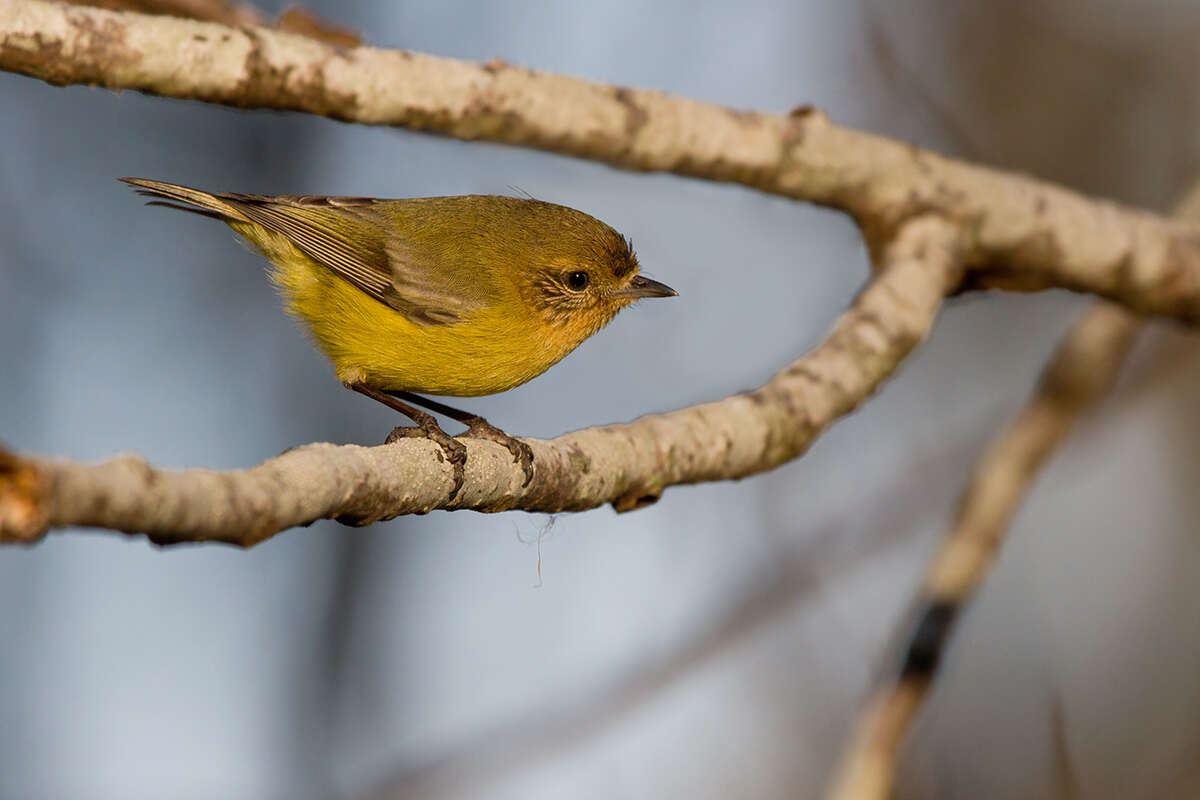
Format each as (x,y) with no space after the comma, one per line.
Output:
(491,351)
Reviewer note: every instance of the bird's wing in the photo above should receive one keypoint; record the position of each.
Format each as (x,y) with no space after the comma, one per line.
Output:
(347,236)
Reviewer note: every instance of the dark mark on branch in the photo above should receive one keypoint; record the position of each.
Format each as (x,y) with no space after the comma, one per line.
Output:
(269,85)
(635,115)
(928,642)
(96,52)
(495,65)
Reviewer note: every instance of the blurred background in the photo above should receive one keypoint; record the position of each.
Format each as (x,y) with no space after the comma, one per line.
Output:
(717,644)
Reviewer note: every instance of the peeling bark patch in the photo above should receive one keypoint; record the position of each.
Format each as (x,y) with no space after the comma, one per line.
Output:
(39,58)
(98,50)
(103,41)
(268,85)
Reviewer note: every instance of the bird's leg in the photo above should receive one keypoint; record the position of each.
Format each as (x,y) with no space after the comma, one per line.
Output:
(427,427)
(478,428)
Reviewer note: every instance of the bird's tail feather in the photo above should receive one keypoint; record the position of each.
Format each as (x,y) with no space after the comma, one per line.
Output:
(193,200)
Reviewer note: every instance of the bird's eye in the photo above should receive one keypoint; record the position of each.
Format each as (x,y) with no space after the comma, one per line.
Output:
(577,280)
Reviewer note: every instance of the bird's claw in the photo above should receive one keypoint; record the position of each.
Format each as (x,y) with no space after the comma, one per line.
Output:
(480,428)
(456,451)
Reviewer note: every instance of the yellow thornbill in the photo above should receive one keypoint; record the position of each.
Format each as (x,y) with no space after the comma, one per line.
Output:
(460,296)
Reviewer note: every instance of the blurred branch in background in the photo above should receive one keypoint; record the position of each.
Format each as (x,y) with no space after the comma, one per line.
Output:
(1080,374)
(628,465)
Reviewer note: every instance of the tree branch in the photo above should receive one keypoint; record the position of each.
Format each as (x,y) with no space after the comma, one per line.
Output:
(1079,375)
(627,465)
(1020,233)
(1083,368)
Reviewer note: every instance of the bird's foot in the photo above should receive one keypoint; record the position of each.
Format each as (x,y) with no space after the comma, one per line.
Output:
(427,428)
(480,428)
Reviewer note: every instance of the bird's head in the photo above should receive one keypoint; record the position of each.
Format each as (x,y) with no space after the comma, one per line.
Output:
(585,273)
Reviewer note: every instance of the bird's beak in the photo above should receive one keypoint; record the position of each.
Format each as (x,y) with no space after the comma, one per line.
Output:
(642,286)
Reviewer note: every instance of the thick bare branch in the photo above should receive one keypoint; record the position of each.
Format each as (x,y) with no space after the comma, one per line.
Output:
(1021,233)
(627,465)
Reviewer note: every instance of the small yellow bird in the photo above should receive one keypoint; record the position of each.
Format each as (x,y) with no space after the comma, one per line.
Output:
(460,296)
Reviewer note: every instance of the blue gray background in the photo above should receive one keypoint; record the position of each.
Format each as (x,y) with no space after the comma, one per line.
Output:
(718,644)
